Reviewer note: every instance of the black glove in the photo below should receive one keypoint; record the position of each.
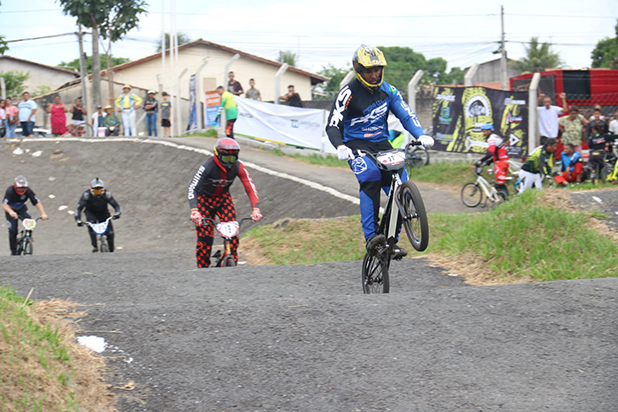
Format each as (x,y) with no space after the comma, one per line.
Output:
(116,216)
(79,223)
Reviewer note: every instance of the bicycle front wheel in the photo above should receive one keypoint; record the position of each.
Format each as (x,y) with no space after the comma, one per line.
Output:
(228,261)
(375,273)
(28,249)
(84,130)
(103,247)
(415,220)
(471,195)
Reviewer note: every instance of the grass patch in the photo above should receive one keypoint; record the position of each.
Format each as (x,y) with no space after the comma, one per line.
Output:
(42,370)
(455,173)
(207,133)
(523,239)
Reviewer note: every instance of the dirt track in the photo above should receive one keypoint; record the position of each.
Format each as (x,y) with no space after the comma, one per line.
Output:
(300,338)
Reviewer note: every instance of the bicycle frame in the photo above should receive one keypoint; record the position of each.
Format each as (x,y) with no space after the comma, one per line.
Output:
(227,230)
(26,233)
(390,229)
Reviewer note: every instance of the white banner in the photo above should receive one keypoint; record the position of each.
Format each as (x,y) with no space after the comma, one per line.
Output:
(279,123)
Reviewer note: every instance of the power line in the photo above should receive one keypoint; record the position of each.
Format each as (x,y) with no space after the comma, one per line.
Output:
(43,37)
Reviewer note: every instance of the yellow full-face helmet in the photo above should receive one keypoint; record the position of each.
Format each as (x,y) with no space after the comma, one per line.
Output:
(366,57)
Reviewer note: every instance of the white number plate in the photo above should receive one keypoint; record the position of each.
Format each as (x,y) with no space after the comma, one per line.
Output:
(392,158)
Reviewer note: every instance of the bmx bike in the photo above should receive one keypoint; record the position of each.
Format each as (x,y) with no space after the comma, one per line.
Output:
(24,238)
(482,192)
(100,230)
(227,230)
(404,206)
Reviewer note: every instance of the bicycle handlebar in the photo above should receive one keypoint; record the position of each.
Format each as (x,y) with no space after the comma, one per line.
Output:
(87,223)
(212,222)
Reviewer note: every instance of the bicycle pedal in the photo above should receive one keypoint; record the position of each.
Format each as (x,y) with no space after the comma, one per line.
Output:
(398,258)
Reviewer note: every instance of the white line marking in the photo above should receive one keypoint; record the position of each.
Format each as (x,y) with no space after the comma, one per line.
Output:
(597,199)
(250,165)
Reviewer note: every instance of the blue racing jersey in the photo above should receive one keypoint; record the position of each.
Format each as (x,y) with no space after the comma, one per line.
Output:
(358,114)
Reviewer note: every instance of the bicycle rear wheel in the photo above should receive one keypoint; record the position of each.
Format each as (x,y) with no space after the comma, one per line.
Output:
(28,249)
(375,273)
(415,220)
(471,195)
(228,261)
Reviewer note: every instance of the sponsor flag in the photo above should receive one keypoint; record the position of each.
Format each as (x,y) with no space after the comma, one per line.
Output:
(458,114)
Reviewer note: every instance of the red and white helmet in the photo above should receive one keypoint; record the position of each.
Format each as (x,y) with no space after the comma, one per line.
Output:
(20,185)
(226,152)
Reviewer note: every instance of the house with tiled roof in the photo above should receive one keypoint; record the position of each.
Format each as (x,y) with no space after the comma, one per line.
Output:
(40,74)
(147,72)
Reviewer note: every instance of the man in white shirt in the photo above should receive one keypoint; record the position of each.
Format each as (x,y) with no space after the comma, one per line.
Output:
(613,125)
(548,116)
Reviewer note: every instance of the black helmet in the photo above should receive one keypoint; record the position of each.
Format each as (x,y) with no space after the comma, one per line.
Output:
(97,186)
(366,57)
(226,152)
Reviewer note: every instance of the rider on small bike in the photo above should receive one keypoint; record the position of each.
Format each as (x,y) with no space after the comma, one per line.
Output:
(94,203)
(14,204)
(209,196)
(496,153)
(358,120)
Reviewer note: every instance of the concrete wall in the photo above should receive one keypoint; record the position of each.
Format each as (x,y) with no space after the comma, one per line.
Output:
(491,72)
(39,75)
(145,73)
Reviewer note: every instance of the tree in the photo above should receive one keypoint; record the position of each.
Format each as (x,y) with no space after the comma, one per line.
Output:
(182,39)
(330,88)
(111,19)
(605,54)
(539,57)
(4,46)
(14,82)
(288,57)
(74,64)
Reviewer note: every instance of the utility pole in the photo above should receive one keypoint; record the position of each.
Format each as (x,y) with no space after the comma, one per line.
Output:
(82,64)
(503,52)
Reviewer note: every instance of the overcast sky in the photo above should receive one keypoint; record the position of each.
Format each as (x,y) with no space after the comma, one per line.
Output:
(325,32)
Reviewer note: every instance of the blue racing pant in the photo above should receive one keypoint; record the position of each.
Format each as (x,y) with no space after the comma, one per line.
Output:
(371,179)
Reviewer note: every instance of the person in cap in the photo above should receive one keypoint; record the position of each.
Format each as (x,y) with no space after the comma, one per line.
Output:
(127,103)
(98,119)
(14,205)
(358,121)
(94,203)
(151,106)
(111,122)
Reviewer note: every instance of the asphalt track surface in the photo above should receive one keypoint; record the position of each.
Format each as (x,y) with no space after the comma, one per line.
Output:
(296,338)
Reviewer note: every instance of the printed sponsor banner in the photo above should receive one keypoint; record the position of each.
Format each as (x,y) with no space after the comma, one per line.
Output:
(211,108)
(192,105)
(279,123)
(458,114)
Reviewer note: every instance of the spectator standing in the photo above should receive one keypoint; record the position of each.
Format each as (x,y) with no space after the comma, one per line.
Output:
(151,105)
(111,122)
(78,111)
(597,119)
(12,115)
(58,117)
(166,115)
(598,143)
(233,86)
(127,103)
(613,125)
(253,93)
(98,119)
(292,98)
(228,102)
(27,109)
(573,128)
(2,118)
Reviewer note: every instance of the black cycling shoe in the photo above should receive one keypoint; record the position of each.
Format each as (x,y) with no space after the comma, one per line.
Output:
(399,252)
(373,242)
(95,250)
